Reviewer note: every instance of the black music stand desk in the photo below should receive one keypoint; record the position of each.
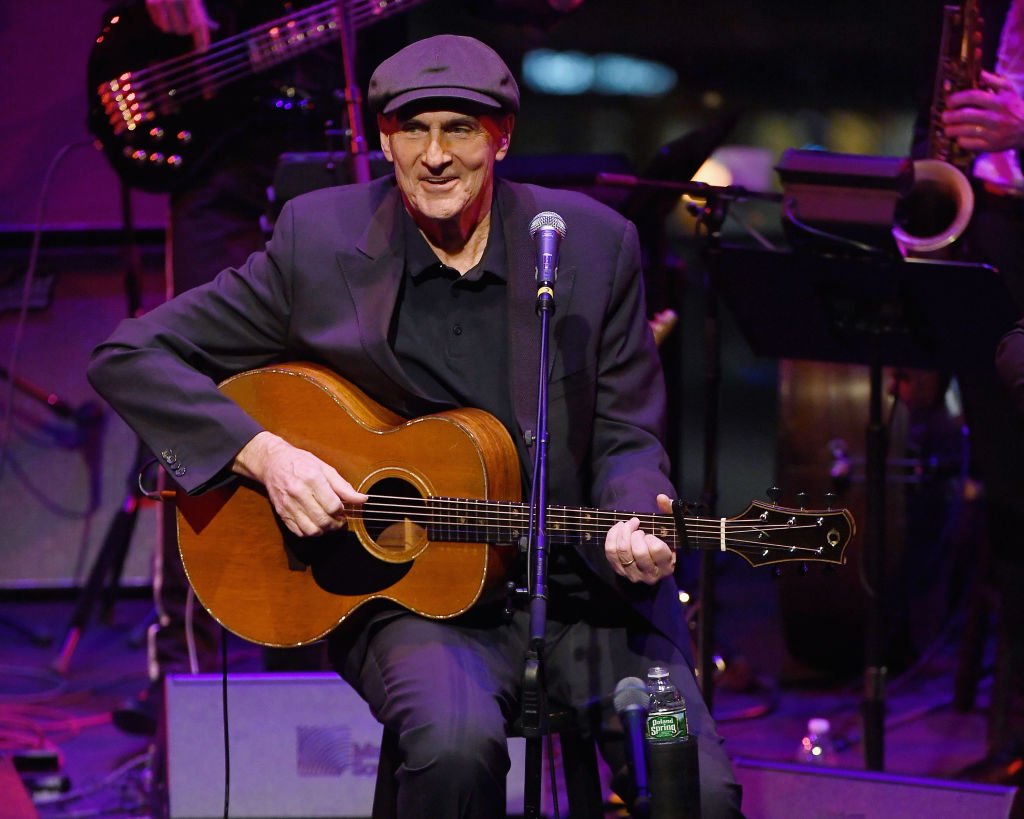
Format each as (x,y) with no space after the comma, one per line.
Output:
(874,310)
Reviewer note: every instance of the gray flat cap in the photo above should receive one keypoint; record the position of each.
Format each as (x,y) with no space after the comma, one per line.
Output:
(446,66)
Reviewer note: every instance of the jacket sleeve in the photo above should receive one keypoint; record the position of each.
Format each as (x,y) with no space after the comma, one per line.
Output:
(160,371)
(629,459)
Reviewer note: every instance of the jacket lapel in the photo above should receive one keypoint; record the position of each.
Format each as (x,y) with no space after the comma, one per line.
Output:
(518,207)
(373,273)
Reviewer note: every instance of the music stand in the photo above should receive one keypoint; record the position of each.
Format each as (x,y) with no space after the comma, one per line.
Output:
(874,310)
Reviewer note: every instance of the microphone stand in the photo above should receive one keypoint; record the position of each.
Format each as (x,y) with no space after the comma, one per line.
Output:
(359,156)
(534,700)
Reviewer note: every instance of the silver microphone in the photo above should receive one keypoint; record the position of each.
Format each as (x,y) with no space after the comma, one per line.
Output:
(547,231)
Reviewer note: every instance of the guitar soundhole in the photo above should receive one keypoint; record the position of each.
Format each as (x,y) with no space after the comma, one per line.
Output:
(395,516)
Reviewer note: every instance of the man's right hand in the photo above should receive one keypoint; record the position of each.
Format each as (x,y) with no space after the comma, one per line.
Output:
(308,495)
(182,17)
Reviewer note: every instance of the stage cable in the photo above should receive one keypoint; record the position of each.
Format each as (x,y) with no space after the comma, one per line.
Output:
(224,711)
(26,292)
(190,630)
(788,209)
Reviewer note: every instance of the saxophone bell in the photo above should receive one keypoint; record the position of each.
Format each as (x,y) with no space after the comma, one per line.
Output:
(940,203)
(936,210)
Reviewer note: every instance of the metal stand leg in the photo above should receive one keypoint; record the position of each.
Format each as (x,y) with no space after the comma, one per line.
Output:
(105,574)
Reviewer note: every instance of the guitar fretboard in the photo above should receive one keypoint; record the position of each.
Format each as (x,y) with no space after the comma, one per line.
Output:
(776,534)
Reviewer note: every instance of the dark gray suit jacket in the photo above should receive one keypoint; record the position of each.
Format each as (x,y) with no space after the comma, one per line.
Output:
(324,290)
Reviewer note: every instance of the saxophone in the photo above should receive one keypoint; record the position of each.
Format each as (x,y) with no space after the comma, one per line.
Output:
(939,206)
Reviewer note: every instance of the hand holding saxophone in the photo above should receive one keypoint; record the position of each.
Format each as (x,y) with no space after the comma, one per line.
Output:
(989,118)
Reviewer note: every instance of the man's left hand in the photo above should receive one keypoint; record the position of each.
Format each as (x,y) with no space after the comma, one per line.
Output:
(636,555)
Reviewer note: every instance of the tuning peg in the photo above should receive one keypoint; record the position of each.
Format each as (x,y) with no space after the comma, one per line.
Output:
(830,498)
(801,499)
(776,571)
(803,568)
(774,493)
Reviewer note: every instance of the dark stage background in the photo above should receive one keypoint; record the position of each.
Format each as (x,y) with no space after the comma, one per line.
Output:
(841,75)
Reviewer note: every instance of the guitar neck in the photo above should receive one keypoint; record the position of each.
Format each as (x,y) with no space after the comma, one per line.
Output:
(272,43)
(461,519)
(281,40)
(763,534)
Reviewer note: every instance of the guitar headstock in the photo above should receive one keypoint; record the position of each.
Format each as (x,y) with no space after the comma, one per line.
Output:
(767,534)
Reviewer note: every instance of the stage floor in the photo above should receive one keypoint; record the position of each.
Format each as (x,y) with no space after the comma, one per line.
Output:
(762,702)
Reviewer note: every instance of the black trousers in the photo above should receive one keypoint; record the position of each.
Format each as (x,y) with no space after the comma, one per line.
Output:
(449,689)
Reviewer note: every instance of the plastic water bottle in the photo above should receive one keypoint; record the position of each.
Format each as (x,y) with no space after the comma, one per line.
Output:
(817,747)
(666,713)
(673,768)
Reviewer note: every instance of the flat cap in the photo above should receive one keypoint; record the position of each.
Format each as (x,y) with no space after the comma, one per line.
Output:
(446,66)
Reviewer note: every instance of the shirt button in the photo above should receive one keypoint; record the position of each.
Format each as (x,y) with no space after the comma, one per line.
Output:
(457,329)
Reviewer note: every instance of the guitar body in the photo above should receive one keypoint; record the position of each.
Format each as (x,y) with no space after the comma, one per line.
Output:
(271,587)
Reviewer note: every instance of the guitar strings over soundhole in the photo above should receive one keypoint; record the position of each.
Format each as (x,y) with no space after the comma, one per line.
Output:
(395,517)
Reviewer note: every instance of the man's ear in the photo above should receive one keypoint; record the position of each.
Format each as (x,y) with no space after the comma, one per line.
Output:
(505,136)
(385,127)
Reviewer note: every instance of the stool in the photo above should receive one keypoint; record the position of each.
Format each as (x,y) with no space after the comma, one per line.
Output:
(579,767)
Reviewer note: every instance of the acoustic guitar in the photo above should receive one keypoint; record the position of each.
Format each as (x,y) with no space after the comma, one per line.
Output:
(155,103)
(441,528)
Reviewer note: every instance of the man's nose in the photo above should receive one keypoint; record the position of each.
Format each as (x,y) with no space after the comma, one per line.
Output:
(436,152)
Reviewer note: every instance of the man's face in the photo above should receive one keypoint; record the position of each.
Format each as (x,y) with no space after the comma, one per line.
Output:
(444,160)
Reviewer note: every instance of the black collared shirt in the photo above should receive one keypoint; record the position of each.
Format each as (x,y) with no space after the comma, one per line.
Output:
(450,334)
(450,331)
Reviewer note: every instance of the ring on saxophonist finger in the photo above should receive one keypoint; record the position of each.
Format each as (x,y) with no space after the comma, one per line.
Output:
(625,563)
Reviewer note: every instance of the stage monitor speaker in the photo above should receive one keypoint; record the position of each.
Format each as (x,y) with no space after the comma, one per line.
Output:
(302,746)
(781,791)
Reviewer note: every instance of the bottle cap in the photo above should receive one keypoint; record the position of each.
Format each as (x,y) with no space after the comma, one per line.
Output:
(657,672)
(818,725)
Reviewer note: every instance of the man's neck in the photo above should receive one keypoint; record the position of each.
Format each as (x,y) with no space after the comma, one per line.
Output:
(459,243)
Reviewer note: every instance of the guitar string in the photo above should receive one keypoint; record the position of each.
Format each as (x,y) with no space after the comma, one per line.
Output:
(599,523)
(585,518)
(512,522)
(484,508)
(242,38)
(196,82)
(216,70)
(737,544)
(233,54)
